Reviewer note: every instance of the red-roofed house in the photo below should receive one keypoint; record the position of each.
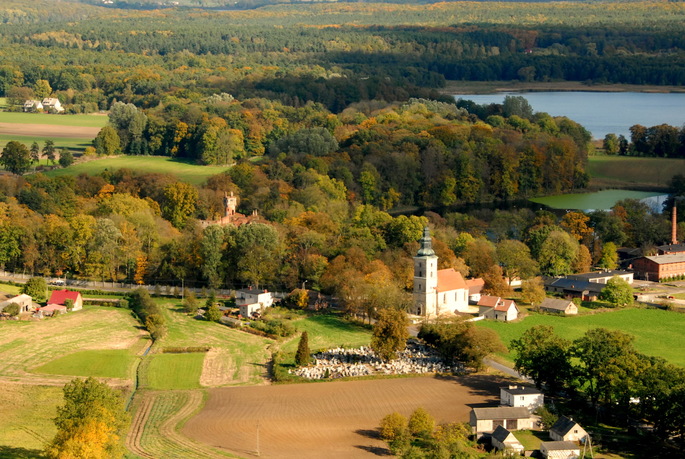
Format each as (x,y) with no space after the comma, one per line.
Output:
(494,307)
(61,296)
(436,292)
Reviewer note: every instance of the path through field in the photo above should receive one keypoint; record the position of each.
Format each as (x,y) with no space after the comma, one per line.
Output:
(48,130)
(331,420)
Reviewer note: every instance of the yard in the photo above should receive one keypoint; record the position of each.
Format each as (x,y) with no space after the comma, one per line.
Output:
(657,332)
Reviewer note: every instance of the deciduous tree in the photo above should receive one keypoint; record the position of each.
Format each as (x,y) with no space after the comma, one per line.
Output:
(618,292)
(389,333)
(36,288)
(543,356)
(15,157)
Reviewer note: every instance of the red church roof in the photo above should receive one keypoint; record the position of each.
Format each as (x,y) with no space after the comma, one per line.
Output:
(59,296)
(449,279)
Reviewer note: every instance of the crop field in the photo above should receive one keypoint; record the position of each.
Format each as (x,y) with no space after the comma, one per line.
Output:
(26,427)
(185,171)
(657,332)
(116,363)
(631,171)
(332,420)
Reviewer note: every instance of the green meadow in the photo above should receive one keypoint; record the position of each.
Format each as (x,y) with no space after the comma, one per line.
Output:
(627,171)
(657,332)
(184,170)
(56,120)
(175,371)
(604,199)
(325,331)
(113,363)
(72,143)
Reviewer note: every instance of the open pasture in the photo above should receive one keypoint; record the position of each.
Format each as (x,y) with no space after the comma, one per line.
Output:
(175,371)
(657,332)
(82,121)
(72,143)
(114,363)
(185,171)
(326,331)
(332,420)
(604,199)
(631,171)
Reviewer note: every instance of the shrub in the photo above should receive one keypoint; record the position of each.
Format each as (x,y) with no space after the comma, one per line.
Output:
(302,357)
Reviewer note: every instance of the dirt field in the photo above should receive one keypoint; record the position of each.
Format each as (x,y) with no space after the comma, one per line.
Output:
(48,130)
(332,420)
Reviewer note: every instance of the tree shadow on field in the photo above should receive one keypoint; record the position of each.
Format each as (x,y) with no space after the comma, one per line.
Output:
(483,385)
(10,452)
(375,435)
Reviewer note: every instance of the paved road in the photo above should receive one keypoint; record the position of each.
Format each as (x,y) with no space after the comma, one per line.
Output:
(505,369)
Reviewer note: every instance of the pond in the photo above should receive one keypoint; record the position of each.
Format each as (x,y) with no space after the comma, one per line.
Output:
(601,200)
(602,113)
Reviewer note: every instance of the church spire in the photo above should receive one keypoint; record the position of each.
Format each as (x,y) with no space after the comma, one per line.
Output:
(426,249)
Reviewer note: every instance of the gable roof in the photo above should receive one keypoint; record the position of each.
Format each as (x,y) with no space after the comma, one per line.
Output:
(598,275)
(559,445)
(576,285)
(521,390)
(53,307)
(501,434)
(475,285)
(555,303)
(563,425)
(504,305)
(671,248)
(489,301)
(60,296)
(666,259)
(502,412)
(449,279)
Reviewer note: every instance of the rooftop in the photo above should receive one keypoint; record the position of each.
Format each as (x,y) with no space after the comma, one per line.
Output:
(449,279)
(521,390)
(502,412)
(559,445)
(598,275)
(563,425)
(555,303)
(60,296)
(665,259)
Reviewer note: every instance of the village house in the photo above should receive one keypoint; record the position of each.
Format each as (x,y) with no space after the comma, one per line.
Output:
(558,306)
(559,450)
(573,288)
(24,301)
(659,267)
(602,277)
(253,300)
(566,429)
(475,287)
(521,396)
(32,106)
(494,307)
(503,440)
(437,291)
(60,297)
(486,420)
(52,104)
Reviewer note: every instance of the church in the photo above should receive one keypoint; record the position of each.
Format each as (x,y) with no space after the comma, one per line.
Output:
(436,291)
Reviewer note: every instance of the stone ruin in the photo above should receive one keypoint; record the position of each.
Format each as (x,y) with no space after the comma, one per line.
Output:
(416,358)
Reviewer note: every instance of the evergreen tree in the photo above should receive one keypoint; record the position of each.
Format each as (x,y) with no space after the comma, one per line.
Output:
(302,357)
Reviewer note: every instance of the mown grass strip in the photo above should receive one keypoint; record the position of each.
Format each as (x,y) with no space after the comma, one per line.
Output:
(115,363)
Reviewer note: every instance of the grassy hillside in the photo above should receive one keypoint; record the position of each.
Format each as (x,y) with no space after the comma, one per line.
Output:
(185,171)
(656,332)
(622,171)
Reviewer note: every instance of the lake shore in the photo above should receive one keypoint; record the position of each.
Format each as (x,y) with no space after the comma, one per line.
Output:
(488,87)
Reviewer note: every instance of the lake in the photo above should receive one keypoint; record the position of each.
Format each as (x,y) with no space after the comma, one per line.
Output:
(601,200)
(602,113)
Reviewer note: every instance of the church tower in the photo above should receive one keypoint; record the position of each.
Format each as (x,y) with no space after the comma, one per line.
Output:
(426,278)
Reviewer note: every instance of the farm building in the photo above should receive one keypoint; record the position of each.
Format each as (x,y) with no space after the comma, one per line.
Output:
(566,429)
(494,307)
(558,306)
(527,397)
(659,267)
(486,420)
(24,301)
(52,309)
(670,249)
(438,292)
(559,450)
(572,288)
(60,297)
(503,440)
(602,277)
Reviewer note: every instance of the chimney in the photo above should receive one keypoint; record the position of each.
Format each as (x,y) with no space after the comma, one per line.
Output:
(674,226)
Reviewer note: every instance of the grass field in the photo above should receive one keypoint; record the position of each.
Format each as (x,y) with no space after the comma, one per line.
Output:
(326,331)
(26,427)
(73,144)
(657,332)
(186,171)
(57,120)
(629,171)
(604,199)
(175,371)
(116,363)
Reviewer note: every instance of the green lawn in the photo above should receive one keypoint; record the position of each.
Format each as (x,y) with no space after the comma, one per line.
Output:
(657,332)
(631,171)
(115,363)
(175,371)
(604,199)
(57,120)
(74,144)
(186,171)
(326,331)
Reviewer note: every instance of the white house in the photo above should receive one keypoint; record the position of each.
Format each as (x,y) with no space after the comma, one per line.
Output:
(503,440)
(436,291)
(566,429)
(52,104)
(253,295)
(24,301)
(559,450)
(486,420)
(527,397)
(32,105)
(494,307)
(248,310)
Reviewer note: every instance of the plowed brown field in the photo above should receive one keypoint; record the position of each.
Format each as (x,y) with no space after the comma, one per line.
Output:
(329,420)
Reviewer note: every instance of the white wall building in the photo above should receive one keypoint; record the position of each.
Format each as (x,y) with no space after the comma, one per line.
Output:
(527,397)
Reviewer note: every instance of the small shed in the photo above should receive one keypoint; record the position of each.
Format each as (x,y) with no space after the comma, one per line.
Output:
(525,396)
(566,429)
(503,440)
(559,450)
(559,306)
(52,309)
(24,301)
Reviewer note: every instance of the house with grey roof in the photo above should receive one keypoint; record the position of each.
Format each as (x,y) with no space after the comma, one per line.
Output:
(558,306)
(486,420)
(574,288)
(503,440)
(559,450)
(566,429)
(521,396)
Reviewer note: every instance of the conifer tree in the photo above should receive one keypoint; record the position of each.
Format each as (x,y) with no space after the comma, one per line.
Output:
(302,357)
